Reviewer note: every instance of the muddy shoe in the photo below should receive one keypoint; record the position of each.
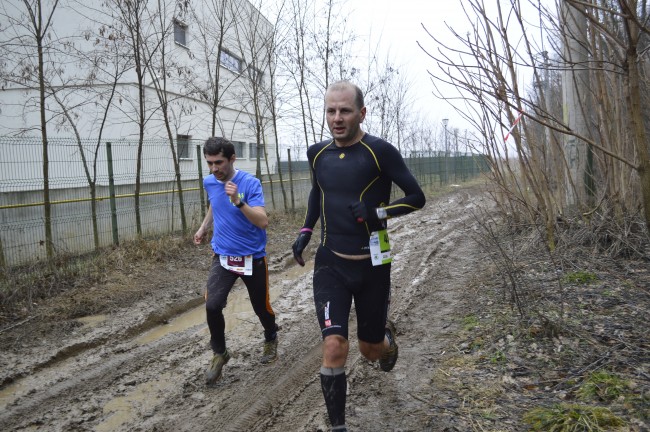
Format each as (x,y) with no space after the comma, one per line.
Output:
(270,352)
(213,374)
(388,360)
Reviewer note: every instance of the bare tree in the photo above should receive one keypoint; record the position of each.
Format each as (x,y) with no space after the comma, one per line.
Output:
(254,33)
(390,100)
(132,21)
(161,68)
(28,53)
(320,48)
(315,53)
(295,63)
(94,89)
(545,173)
(273,98)
(258,48)
(216,20)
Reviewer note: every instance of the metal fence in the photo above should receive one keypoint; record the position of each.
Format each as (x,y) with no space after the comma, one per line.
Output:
(92,192)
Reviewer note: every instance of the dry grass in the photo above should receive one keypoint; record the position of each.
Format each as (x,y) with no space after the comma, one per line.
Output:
(24,287)
(543,330)
(102,281)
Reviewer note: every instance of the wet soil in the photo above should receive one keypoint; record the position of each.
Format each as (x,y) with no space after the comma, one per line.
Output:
(139,363)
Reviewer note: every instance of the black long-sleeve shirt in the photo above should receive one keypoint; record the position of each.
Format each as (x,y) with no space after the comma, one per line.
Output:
(364,172)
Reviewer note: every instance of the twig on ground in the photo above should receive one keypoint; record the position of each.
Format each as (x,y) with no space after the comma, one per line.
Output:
(17,324)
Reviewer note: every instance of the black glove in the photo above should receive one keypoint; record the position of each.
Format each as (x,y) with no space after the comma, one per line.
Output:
(299,245)
(364,214)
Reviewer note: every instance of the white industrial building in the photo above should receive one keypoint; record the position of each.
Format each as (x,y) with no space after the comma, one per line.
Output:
(187,52)
(146,76)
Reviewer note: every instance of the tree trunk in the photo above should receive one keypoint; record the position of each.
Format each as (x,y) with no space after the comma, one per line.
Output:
(49,241)
(636,117)
(574,89)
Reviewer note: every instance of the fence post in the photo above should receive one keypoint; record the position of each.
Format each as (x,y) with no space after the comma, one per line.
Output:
(3,262)
(201,194)
(293,202)
(111,191)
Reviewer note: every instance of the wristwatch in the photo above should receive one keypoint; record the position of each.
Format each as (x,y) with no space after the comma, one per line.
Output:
(241,204)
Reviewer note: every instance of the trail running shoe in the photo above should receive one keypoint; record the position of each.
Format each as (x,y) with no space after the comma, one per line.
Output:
(388,360)
(270,353)
(213,374)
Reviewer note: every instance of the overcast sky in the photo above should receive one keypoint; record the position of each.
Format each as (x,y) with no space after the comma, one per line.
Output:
(399,25)
(396,27)
(399,22)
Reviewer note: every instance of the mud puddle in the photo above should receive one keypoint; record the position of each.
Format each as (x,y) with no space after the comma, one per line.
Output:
(145,397)
(237,310)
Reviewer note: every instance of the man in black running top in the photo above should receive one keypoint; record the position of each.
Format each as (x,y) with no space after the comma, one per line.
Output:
(352,178)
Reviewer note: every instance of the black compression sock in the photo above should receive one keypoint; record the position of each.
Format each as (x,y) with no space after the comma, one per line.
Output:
(334,385)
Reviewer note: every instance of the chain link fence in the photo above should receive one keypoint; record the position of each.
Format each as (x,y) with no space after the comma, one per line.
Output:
(103,193)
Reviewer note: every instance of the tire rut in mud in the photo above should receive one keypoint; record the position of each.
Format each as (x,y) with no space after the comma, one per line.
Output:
(88,380)
(289,384)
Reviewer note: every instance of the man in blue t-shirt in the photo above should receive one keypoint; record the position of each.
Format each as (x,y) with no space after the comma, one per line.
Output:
(239,223)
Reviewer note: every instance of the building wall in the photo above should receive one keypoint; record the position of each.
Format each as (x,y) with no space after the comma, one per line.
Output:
(92,85)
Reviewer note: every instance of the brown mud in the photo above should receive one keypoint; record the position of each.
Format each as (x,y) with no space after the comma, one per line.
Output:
(139,365)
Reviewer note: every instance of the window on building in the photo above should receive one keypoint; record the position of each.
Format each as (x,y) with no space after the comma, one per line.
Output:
(183,146)
(239,149)
(230,61)
(252,151)
(180,33)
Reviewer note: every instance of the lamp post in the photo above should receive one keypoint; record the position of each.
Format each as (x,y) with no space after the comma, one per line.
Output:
(445,122)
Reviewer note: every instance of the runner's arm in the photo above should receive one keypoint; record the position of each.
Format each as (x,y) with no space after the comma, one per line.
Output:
(413,198)
(204,228)
(314,200)
(256,215)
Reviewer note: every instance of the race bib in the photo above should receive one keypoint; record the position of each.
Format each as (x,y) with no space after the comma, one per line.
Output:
(242,265)
(380,248)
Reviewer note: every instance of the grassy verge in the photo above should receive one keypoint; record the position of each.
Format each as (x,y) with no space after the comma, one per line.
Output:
(553,343)
(24,287)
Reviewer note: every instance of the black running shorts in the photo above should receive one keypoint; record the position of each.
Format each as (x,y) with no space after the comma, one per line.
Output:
(337,281)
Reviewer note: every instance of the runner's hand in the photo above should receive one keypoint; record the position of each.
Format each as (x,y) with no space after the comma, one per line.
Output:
(232,191)
(362,213)
(299,245)
(199,236)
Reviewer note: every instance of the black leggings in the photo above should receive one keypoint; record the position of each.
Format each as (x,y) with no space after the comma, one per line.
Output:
(220,282)
(337,281)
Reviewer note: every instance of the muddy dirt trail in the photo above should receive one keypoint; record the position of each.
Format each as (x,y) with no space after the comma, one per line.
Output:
(105,373)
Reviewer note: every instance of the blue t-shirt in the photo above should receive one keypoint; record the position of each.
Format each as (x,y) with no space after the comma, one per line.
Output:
(234,234)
